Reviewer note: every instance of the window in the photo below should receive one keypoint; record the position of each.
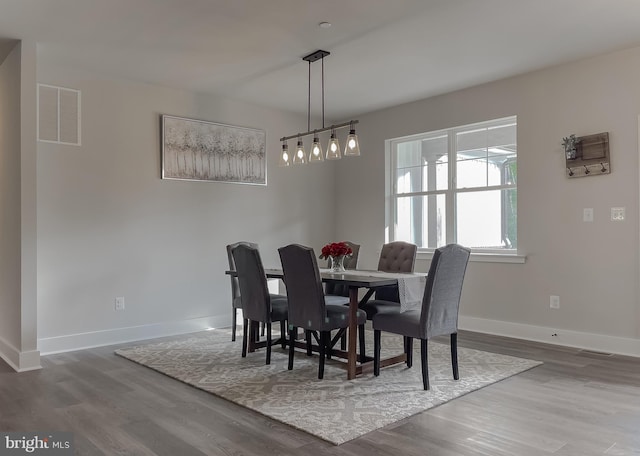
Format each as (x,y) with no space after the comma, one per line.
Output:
(456,185)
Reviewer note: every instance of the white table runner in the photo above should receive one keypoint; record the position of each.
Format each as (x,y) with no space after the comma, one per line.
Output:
(410,285)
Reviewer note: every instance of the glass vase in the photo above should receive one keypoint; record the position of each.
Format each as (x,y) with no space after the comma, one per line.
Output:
(337,263)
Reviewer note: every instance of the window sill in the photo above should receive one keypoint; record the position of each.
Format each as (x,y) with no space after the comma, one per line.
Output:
(483,257)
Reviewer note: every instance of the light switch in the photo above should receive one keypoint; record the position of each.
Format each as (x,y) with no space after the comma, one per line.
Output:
(617,214)
(587,214)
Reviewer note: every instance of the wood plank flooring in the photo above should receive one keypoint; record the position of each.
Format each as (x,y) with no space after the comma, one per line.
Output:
(577,403)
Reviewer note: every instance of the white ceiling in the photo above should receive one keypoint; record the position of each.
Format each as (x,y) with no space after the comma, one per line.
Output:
(383,52)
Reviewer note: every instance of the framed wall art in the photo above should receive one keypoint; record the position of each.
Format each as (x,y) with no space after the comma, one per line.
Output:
(206,151)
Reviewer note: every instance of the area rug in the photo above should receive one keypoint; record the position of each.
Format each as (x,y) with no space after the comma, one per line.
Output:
(334,409)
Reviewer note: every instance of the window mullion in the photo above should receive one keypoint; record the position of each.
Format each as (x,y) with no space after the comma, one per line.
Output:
(450,201)
(393,200)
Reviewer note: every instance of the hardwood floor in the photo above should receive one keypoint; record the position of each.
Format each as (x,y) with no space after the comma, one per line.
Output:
(577,403)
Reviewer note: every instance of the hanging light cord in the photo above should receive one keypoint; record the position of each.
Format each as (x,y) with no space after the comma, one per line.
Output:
(322,92)
(309,100)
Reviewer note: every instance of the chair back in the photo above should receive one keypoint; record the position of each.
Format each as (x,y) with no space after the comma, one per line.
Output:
(339,289)
(397,256)
(442,292)
(304,286)
(235,287)
(254,293)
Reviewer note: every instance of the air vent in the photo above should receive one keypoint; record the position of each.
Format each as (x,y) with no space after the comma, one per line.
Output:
(58,115)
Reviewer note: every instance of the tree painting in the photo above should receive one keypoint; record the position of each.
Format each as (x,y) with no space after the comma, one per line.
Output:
(199,150)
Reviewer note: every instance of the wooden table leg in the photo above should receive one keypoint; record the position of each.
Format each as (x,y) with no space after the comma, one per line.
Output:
(353,328)
(253,336)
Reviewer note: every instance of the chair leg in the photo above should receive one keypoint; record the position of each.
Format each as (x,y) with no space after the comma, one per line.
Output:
(454,355)
(283,334)
(408,349)
(268,343)
(234,319)
(292,337)
(376,352)
(424,361)
(322,349)
(262,326)
(245,335)
(343,341)
(363,352)
(307,338)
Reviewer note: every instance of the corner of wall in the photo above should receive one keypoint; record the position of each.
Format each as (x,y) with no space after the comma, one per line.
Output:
(19,361)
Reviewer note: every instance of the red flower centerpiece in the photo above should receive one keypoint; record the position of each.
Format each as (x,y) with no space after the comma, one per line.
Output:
(337,251)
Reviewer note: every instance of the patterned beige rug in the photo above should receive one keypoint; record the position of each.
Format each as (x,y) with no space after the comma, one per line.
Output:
(334,409)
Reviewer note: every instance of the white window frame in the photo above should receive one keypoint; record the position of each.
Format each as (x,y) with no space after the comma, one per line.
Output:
(485,255)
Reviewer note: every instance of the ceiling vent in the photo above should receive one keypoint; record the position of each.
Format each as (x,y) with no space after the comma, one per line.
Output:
(58,115)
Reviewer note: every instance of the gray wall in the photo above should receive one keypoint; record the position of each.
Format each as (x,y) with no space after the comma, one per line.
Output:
(593,267)
(109,226)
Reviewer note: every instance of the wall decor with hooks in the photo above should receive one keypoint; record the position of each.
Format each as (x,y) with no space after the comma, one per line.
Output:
(589,157)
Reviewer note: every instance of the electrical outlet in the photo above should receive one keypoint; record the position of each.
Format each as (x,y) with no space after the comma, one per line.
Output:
(617,214)
(587,214)
(119,303)
(554,302)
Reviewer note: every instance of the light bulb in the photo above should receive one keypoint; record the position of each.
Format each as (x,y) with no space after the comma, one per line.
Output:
(316,154)
(352,147)
(333,150)
(284,156)
(299,158)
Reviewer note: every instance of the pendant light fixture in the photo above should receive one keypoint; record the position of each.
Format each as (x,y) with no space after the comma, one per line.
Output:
(285,158)
(316,153)
(300,157)
(352,147)
(333,149)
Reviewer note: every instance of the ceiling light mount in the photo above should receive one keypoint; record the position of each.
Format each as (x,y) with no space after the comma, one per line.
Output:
(315,56)
(333,150)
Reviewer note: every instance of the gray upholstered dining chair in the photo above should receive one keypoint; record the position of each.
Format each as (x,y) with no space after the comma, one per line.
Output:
(307,307)
(236,302)
(335,293)
(257,304)
(398,256)
(438,315)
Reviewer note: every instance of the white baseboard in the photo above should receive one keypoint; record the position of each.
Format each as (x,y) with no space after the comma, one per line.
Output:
(51,345)
(80,341)
(555,336)
(19,361)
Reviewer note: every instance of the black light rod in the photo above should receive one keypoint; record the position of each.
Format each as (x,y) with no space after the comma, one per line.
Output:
(310,132)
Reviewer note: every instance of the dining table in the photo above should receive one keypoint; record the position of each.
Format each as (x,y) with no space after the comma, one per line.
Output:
(356,280)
